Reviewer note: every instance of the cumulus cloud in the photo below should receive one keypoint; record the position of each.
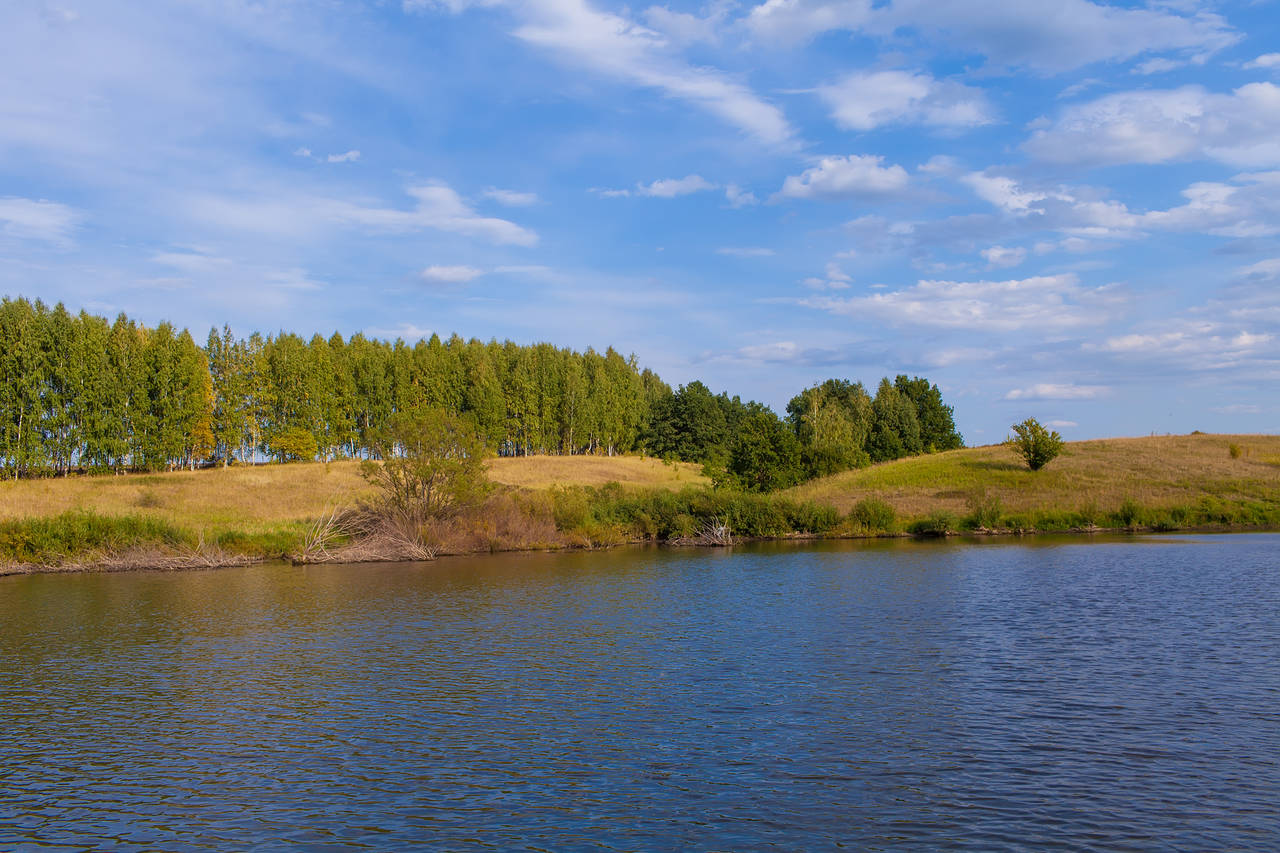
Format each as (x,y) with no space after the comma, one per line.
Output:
(1040,303)
(37,219)
(451,274)
(673,187)
(999,256)
(738,197)
(1050,391)
(855,176)
(867,100)
(1241,128)
(511,198)
(1267,60)
(346,157)
(1049,36)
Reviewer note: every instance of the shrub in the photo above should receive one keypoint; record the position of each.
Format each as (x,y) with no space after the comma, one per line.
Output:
(73,534)
(1035,444)
(1129,513)
(984,510)
(937,524)
(874,516)
(1234,450)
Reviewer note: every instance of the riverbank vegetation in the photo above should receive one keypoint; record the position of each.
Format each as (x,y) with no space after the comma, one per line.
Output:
(271,511)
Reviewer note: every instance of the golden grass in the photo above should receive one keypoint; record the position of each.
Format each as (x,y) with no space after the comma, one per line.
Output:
(247,500)
(1155,471)
(541,472)
(264,498)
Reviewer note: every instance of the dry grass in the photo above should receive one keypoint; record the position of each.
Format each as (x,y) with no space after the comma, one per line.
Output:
(253,500)
(1155,471)
(541,472)
(247,500)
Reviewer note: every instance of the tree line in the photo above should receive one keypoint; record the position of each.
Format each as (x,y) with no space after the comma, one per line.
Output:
(79,392)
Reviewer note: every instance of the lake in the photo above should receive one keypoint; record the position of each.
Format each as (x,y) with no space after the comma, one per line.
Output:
(1048,694)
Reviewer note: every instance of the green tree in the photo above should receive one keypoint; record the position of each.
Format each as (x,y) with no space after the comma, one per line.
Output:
(1036,445)
(937,422)
(432,466)
(765,454)
(295,444)
(895,428)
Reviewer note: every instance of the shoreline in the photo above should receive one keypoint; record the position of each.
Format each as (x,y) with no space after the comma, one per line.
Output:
(150,560)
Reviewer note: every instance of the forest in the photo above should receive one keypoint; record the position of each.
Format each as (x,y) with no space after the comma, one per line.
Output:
(80,393)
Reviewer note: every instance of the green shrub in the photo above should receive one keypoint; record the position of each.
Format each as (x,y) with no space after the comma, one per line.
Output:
(874,516)
(1035,444)
(984,510)
(936,524)
(1130,513)
(1234,450)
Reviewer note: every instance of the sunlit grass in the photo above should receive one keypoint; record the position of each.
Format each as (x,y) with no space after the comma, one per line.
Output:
(1103,474)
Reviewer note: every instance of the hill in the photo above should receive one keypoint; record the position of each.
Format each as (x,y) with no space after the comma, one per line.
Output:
(1157,471)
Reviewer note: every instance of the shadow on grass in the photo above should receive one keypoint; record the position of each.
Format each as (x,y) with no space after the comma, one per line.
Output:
(995,465)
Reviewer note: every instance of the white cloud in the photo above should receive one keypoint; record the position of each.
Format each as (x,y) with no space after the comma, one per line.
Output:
(31,219)
(1160,126)
(673,187)
(1237,409)
(746,252)
(1002,191)
(1247,207)
(1000,256)
(191,262)
(511,198)
(1040,303)
(455,274)
(614,45)
(1050,391)
(737,197)
(1048,36)
(834,273)
(302,152)
(437,207)
(777,351)
(846,177)
(1267,60)
(1063,424)
(681,28)
(867,100)
(1159,65)
(347,157)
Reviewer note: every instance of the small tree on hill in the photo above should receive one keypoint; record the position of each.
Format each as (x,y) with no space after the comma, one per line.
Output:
(1035,444)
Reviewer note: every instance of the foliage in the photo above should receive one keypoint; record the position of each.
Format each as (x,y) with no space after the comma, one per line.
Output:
(1036,445)
(938,523)
(895,426)
(765,455)
(985,510)
(432,466)
(873,515)
(936,419)
(295,444)
(1233,450)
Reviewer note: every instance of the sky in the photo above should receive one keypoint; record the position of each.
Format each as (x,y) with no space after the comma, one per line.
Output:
(1068,210)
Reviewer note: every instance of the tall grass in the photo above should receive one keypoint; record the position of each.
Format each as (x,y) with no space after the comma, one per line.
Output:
(55,539)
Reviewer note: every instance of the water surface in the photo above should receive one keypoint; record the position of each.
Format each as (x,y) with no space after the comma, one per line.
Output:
(1110,695)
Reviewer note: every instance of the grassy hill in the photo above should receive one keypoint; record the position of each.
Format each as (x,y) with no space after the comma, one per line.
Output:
(1160,471)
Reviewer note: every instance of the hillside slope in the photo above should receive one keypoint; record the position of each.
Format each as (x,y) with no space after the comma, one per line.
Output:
(1155,471)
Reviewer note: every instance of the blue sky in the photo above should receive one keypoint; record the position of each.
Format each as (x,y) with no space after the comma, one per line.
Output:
(1068,210)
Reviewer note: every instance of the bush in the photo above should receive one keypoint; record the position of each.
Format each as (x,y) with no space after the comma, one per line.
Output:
(984,510)
(938,524)
(1035,444)
(1129,513)
(1234,450)
(874,516)
(74,534)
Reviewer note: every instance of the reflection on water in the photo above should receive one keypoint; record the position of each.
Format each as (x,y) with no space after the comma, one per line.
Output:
(1055,695)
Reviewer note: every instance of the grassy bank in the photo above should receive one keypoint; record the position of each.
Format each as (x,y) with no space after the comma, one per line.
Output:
(1161,481)
(216,516)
